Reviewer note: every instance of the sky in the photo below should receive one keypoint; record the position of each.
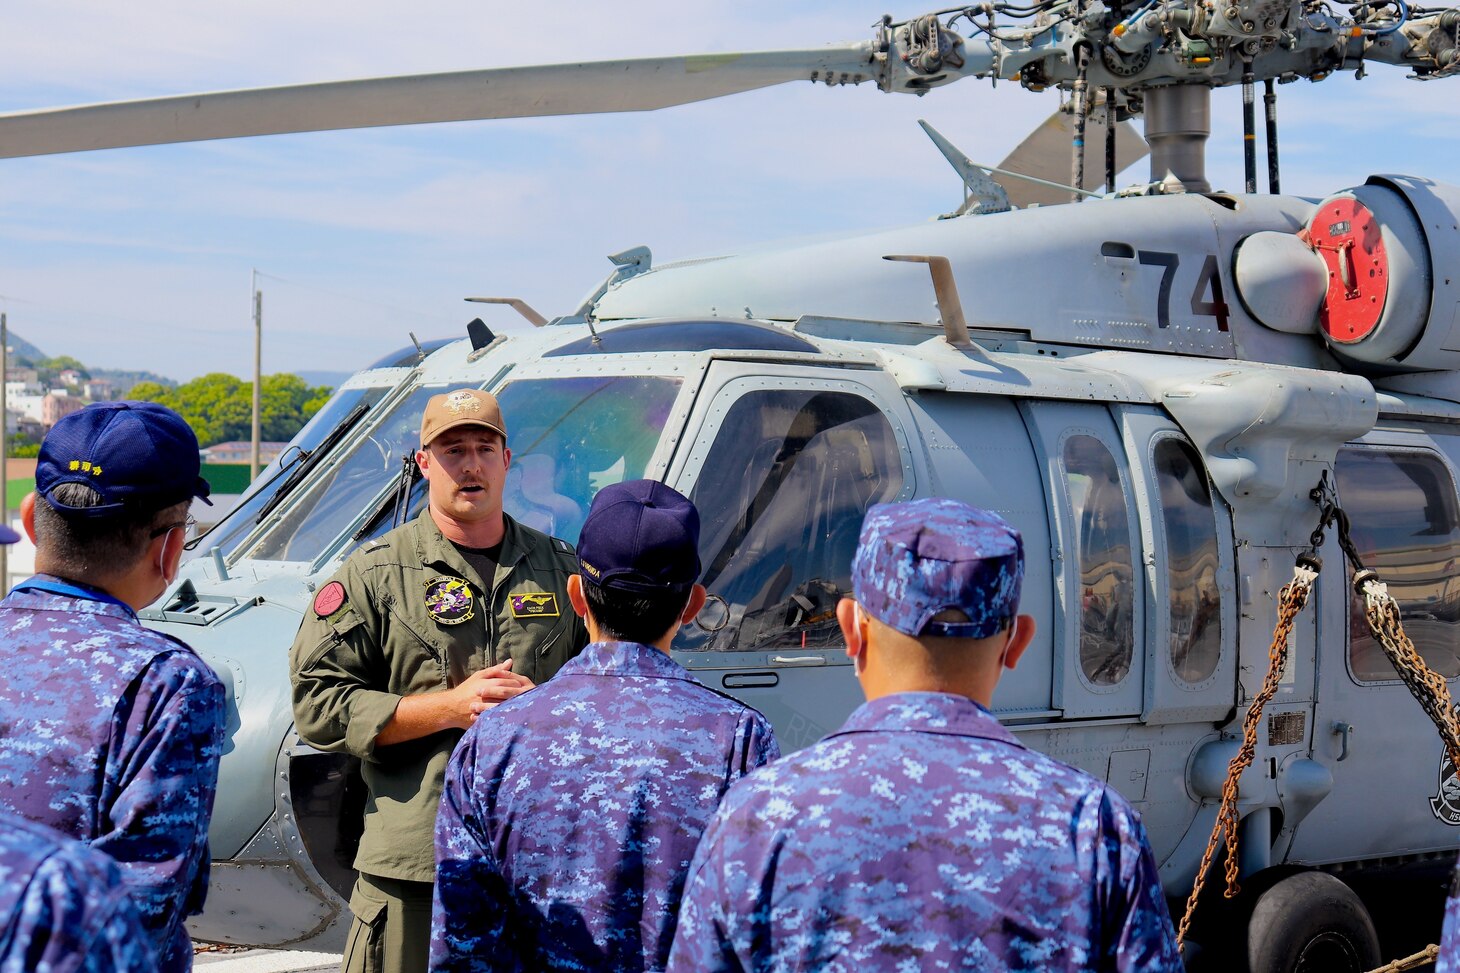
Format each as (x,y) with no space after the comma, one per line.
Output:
(143,258)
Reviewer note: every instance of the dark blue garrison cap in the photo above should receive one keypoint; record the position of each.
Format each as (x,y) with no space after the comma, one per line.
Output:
(132,453)
(917,559)
(640,537)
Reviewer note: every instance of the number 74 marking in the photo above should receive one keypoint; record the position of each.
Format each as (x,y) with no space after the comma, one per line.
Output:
(1208,278)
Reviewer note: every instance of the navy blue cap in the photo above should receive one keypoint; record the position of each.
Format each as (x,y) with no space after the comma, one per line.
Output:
(8,535)
(132,453)
(640,537)
(919,558)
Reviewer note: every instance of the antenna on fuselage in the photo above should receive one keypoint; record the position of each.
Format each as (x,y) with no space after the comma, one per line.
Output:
(945,292)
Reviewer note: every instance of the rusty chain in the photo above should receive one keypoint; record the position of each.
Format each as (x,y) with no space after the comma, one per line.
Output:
(1383,615)
(1291,599)
(1425,685)
(1413,961)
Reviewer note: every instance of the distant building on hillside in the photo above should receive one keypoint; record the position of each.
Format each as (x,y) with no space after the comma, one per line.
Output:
(56,405)
(25,402)
(14,387)
(27,376)
(97,390)
(241,451)
(70,376)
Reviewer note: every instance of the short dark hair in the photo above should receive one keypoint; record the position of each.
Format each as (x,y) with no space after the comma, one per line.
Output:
(89,547)
(629,617)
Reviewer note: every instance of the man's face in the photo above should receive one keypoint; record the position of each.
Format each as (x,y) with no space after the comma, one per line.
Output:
(465,468)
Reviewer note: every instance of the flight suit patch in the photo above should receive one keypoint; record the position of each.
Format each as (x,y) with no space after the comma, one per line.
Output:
(329,599)
(449,600)
(535,604)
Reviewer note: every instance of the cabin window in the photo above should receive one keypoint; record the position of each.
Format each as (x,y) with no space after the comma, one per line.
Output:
(1191,560)
(781,497)
(1103,552)
(1403,520)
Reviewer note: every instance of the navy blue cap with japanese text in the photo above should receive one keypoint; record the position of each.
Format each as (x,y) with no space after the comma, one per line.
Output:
(134,454)
(640,537)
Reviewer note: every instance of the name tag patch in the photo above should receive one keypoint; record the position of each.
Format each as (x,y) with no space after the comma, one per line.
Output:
(535,604)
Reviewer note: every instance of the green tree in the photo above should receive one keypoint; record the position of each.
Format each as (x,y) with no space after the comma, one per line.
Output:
(219,407)
(51,367)
(149,392)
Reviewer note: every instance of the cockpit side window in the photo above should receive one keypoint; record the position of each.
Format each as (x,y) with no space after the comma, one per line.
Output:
(1097,500)
(243,520)
(337,498)
(1403,519)
(1192,561)
(781,496)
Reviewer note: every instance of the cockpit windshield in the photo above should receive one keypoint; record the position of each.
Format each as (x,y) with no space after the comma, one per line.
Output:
(334,501)
(570,437)
(243,519)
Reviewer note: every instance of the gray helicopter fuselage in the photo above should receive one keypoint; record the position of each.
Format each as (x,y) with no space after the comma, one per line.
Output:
(1119,403)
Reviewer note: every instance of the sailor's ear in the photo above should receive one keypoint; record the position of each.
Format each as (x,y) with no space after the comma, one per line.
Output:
(27,515)
(575,595)
(1019,640)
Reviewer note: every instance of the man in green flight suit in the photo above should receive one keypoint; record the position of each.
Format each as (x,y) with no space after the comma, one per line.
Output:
(419,632)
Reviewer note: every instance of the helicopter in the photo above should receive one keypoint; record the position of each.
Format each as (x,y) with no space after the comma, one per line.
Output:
(1148,384)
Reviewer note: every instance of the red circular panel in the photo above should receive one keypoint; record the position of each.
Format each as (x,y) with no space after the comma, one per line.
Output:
(329,599)
(1346,235)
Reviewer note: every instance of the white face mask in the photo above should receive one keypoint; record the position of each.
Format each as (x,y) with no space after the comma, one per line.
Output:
(1008,644)
(167,578)
(858,622)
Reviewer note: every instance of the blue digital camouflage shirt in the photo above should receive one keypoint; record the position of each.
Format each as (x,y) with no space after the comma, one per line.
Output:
(571,812)
(111,733)
(1449,961)
(922,835)
(63,907)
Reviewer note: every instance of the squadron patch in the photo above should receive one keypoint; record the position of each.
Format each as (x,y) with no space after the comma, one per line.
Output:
(535,604)
(449,600)
(1445,805)
(329,599)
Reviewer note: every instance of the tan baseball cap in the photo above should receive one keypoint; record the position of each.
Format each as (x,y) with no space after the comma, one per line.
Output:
(463,407)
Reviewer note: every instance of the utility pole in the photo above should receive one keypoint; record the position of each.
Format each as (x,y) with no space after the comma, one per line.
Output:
(258,344)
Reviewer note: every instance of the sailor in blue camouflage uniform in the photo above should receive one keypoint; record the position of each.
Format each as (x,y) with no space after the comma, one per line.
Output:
(63,906)
(110,732)
(570,813)
(922,835)
(1449,959)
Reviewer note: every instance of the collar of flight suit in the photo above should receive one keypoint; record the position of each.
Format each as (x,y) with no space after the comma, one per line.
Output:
(944,713)
(432,547)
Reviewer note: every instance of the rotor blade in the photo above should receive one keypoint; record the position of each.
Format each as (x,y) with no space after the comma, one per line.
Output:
(1045,154)
(640,84)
